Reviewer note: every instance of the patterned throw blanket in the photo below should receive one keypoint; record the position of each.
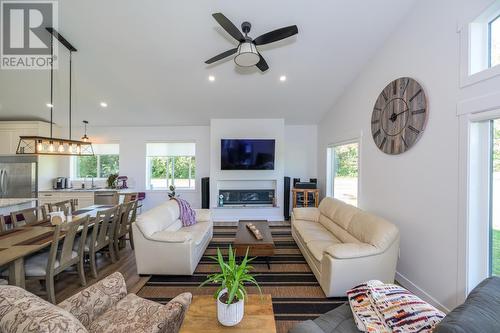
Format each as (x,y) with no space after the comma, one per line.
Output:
(187,214)
(388,308)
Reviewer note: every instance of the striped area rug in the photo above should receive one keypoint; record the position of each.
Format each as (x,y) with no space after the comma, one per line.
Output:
(296,293)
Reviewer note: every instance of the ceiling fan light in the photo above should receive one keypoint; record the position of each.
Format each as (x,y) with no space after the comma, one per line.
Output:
(247,55)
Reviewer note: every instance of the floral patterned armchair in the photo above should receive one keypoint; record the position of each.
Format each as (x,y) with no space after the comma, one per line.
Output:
(103,307)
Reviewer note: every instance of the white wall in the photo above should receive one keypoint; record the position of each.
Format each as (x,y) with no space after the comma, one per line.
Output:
(301,158)
(132,142)
(247,129)
(417,190)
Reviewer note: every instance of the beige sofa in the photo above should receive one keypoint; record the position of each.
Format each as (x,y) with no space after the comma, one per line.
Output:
(164,246)
(345,246)
(104,307)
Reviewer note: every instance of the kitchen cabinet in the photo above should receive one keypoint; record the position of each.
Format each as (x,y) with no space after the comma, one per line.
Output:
(83,198)
(10,131)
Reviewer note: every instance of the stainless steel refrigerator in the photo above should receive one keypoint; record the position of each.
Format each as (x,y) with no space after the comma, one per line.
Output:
(18,177)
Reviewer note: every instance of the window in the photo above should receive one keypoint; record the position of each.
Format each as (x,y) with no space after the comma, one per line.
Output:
(494,42)
(170,164)
(105,162)
(342,176)
(484,40)
(495,201)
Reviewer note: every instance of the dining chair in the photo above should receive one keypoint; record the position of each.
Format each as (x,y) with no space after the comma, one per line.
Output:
(46,265)
(128,197)
(67,206)
(124,226)
(133,217)
(2,224)
(102,236)
(28,216)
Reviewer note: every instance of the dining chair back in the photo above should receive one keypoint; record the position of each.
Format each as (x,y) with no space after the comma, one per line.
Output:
(28,216)
(61,255)
(124,225)
(66,206)
(128,197)
(103,235)
(2,224)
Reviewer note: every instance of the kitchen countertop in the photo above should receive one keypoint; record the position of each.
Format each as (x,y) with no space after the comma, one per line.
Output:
(125,190)
(15,202)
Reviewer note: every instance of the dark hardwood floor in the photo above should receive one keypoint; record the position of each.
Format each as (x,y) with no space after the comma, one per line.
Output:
(67,284)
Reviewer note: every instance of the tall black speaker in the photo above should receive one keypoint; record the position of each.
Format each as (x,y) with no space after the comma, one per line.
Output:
(295,181)
(286,198)
(205,193)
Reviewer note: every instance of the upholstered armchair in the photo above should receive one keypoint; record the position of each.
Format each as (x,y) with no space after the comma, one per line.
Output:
(104,307)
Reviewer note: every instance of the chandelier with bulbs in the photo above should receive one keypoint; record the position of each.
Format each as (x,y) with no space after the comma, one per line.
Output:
(39,145)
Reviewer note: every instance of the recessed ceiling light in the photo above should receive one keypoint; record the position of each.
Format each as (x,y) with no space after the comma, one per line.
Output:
(104,104)
(49,105)
(211,78)
(283,78)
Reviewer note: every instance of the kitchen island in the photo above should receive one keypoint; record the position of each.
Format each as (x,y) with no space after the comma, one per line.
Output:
(8,205)
(83,197)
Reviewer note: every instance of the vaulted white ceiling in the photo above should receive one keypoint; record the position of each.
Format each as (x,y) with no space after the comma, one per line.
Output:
(146,60)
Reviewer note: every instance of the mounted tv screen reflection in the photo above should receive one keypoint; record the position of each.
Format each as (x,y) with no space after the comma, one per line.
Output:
(247,154)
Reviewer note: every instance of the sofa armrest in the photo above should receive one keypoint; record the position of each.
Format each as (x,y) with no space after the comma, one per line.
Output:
(168,236)
(93,301)
(352,250)
(306,213)
(203,215)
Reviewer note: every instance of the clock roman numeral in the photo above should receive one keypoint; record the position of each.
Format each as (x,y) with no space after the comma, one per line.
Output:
(415,96)
(392,146)
(406,86)
(382,144)
(394,86)
(375,122)
(377,133)
(377,109)
(413,129)
(385,96)
(404,141)
(418,111)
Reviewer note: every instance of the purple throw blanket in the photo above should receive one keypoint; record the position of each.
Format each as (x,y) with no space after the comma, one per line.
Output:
(188,216)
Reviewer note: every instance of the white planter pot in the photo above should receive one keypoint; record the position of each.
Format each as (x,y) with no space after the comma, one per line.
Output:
(229,315)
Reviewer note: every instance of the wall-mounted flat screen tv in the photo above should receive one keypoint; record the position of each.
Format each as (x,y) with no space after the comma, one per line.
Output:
(247,154)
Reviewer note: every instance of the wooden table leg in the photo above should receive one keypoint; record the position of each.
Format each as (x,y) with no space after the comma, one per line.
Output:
(16,273)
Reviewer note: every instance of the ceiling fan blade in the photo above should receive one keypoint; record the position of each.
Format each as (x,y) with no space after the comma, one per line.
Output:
(229,26)
(221,56)
(262,64)
(276,35)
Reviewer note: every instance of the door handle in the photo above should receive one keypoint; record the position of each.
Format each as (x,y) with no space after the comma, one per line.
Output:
(4,182)
(1,181)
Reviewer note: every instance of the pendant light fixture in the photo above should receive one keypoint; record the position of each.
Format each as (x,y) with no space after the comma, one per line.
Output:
(85,138)
(39,145)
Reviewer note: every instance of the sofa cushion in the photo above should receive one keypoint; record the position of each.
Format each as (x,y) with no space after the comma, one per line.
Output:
(203,215)
(479,313)
(92,302)
(352,250)
(318,247)
(338,231)
(158,218)
(373,230)
(307,214)
(172,236)
(21,311)
(313,231)
(139,315)
(198,231)
(339,320)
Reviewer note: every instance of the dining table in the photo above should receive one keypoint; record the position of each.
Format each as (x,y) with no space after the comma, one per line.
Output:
(19,243)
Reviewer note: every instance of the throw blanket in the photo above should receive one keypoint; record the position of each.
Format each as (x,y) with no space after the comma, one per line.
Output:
(388,308)
(187,214)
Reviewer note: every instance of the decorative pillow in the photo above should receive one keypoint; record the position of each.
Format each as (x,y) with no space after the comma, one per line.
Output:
(402,311)
(365,315)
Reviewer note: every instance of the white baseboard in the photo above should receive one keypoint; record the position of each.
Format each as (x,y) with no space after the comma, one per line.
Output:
(420,292)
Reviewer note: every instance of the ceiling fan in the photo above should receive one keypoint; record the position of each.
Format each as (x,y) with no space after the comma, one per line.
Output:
(247,53)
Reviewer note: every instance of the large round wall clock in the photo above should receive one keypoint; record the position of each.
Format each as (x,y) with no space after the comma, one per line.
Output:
(399,116)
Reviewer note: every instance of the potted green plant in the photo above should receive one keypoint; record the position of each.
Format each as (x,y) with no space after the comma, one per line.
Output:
(111,181)
(231,293)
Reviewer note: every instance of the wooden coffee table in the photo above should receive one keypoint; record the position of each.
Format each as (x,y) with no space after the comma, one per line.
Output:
(202,316)
(256,248)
